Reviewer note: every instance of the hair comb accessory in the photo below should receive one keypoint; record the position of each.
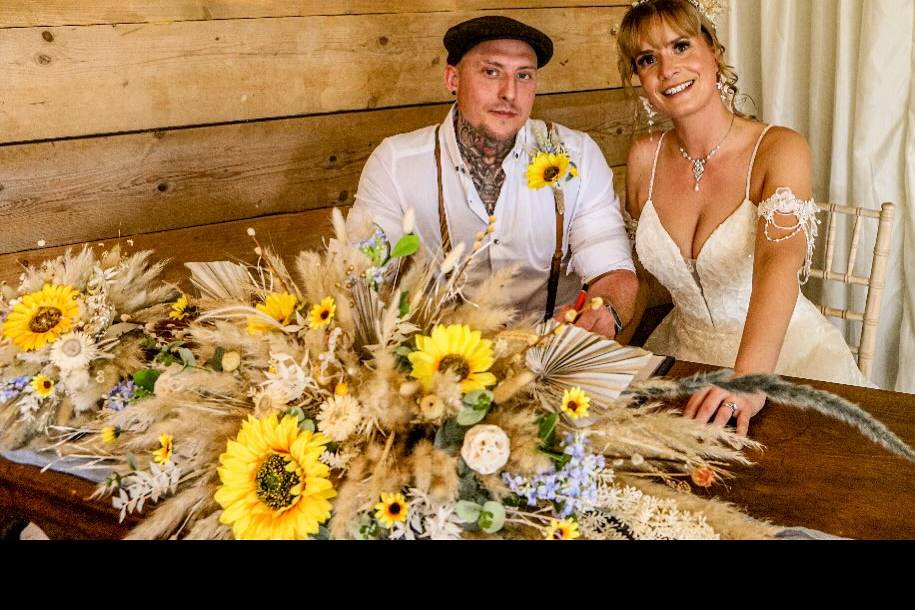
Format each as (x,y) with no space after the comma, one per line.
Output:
(710,9)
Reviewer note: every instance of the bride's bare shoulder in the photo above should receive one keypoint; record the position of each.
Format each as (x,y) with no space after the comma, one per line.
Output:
(638,171)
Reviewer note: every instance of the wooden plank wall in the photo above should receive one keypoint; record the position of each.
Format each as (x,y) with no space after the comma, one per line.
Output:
(177,126)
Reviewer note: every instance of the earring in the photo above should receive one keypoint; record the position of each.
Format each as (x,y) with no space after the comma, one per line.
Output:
(724,90)
(650,112)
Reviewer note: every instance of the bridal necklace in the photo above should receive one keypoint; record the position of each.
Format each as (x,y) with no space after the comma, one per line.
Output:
(699,164)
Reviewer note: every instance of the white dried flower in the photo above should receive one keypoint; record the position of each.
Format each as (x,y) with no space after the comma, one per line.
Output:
(339,417)
(486,449)
(73,351)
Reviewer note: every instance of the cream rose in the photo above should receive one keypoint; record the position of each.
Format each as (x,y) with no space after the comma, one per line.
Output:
(486,449)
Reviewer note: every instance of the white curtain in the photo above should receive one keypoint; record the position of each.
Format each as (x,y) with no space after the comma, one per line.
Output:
(841,73)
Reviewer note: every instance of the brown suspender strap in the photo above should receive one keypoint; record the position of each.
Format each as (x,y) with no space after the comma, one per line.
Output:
(556,263)
(442,217)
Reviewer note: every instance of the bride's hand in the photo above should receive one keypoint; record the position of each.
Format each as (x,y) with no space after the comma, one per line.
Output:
(719,406)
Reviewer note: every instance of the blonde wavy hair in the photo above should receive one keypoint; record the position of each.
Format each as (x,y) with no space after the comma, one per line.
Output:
(683,18)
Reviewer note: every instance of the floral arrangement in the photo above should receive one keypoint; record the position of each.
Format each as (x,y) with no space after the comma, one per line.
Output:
(372,393)
(73,335)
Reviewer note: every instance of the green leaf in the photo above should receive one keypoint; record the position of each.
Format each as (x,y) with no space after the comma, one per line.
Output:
(548,430)
(145,379)
(469,417)
(467,512)
(470,487)
(404,306)
(215,362)
(187,356)
(296,412)
(307,425)
(450,436)
(132,461)
(478,399)
(561,459)
(492,518)
(408,245)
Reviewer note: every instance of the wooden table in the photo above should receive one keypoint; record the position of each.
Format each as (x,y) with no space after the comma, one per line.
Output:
(815,472)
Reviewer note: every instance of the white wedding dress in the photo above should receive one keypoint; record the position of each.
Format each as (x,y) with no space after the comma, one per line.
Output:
(711,296)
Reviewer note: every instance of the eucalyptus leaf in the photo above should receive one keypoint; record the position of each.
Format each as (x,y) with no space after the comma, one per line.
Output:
(467,512)
(307,425)
(215,362)
(478,399)
(450,436)
(187,356)
(296,412)
(492,517)
(469,417)
(408,245)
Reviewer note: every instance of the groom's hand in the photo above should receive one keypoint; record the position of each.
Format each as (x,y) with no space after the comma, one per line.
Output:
(599,321)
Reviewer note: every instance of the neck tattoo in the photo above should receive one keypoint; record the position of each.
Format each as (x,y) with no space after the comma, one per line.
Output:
(484,156)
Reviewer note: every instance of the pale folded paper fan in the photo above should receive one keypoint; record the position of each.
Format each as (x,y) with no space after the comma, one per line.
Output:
(577,358)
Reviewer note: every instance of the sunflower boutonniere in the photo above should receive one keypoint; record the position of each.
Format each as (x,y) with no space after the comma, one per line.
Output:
(550,163)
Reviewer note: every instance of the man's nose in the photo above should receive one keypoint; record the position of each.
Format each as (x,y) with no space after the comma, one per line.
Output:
(509,88)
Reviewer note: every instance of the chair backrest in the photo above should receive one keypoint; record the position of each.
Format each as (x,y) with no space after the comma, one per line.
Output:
(874,282)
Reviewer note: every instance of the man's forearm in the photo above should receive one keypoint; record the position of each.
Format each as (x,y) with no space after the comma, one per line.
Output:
(618,288)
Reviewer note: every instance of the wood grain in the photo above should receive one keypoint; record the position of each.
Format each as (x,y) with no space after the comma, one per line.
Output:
(25,13)
(89,189)
(102,79)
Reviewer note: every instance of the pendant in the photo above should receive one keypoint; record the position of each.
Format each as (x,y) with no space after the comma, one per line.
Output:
(698,171)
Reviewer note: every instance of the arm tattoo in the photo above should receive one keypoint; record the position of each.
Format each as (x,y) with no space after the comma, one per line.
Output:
(484,156)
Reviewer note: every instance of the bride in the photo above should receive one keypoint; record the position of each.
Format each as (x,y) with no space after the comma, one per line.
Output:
(725,219)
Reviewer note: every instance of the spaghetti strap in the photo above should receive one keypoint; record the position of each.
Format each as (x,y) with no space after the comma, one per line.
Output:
(654,167)
(753,160)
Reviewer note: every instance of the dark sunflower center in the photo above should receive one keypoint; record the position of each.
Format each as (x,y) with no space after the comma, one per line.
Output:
(559,534)
(573,406)
(45,319)
(550,173)
(394,509)
(274,483)
(324,314)
(46,384)
(455,364)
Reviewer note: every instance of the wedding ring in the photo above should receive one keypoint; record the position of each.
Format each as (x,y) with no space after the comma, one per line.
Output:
(732,406)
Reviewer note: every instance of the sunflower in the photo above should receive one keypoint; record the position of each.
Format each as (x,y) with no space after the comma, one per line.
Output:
(41,317)
(392,509)
(575,403)
(179,309)
(42,385)
(562,530)
(322,313)
(457,349)
(164,453)
(273,484)
(110,434)
(547,169)
(279,306)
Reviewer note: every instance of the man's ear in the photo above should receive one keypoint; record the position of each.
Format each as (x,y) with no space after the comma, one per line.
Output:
(452,78)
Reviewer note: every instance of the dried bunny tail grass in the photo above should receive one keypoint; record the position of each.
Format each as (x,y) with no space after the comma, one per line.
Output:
(73,270)
(169,516)
(483,318)
(138,284)
(377,470)
(522,428)
(382,404)
(209,528)
(729,522)
(655,431)
(434,472)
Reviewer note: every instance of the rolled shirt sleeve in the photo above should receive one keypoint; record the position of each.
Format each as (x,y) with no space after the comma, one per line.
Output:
(597,233)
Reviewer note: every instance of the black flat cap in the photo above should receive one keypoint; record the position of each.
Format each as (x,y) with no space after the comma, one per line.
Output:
(464,36)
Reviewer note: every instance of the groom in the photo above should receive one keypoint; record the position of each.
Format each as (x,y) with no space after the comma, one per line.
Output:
(475,165)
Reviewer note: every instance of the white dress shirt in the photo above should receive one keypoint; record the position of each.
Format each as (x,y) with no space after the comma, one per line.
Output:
(401,174)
